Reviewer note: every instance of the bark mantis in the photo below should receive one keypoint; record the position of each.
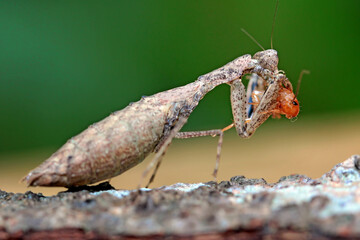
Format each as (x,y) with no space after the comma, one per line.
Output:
(123,139)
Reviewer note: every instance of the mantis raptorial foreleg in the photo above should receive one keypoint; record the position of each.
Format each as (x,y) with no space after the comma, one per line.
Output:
(238,105)
(246,119)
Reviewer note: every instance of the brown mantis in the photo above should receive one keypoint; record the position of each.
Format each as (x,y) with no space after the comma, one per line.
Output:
(126,137)
(122,140)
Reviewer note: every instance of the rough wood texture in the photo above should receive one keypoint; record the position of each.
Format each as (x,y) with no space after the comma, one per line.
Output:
(296,207)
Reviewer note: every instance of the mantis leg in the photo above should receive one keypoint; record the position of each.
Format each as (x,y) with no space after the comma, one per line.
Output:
(238,105)
(156,161)
(175,133)
(160,154)
(247,119)
(215,132)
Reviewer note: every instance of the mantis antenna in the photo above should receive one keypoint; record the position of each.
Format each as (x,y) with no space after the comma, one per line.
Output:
(272,30)
(252,38)
(273,25)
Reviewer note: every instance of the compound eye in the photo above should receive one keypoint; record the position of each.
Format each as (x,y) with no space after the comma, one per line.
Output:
(295,103)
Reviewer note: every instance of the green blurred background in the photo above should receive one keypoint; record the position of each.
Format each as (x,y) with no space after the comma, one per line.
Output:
(67,64)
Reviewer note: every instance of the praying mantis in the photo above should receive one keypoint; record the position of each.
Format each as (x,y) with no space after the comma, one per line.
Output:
(123,139)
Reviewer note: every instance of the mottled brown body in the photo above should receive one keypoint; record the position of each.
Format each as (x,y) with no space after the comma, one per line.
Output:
(122,140)
(105,149)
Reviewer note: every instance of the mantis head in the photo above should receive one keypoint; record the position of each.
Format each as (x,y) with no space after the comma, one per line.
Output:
(268,59)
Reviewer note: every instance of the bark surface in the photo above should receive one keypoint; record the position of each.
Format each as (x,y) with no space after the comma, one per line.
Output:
(296,207)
